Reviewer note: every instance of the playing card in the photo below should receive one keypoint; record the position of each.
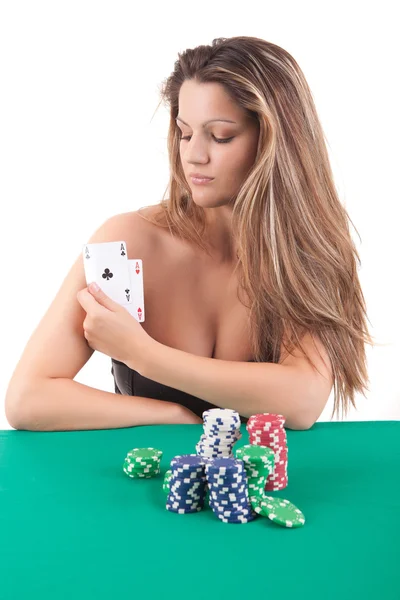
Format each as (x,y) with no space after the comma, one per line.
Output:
(106,263)
(136,307)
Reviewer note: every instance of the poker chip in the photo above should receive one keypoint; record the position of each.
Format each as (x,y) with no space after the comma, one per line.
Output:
(259,464)
(221,432)
(186,484)
(267,429)
(167,478)
(229,497)
(280,511)
(233,485)
(142,463)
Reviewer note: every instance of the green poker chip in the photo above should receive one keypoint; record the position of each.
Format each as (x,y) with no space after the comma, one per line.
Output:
(255,454)
(167,479)
(151,454)
(259,465)
(280,511)
(142,462)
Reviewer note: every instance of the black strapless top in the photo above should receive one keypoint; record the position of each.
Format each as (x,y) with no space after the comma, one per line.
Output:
(131,383)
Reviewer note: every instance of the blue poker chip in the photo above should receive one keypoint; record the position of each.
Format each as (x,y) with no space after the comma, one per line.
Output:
(232,507)
(185,498)
(188,491)
(227,482)
(238,520)
(230,512)
(228,472)
(230,494)
(191,462)
(225,463)
(234,517)
(186,474)
(183,511)
(188,480)
(239,497)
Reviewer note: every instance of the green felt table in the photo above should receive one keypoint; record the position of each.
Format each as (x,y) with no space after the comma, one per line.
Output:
(73,525)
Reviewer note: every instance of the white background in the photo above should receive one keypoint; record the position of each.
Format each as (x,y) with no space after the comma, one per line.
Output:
(80,141)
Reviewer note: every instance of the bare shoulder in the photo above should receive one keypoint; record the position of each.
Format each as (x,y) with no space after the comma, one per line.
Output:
(140,235)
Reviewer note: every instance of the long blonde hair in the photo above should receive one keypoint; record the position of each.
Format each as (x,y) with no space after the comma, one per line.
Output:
(296,257)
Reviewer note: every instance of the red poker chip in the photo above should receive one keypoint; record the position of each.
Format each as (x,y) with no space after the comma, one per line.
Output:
(265,442)
(255,431)
(267,434)
(267,422)
(282,481)
(278,472)
(263,423)
(276,483)
(264,426)
(263,435)
(266,416)
(266,430)
(270,438)
(270,444)
(280,469)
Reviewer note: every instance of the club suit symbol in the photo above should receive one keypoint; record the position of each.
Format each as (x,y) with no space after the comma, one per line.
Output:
(107,274)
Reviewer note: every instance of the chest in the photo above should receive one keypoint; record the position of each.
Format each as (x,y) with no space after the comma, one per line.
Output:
(193,306)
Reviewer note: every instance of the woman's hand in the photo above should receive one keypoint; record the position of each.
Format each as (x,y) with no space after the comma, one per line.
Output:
(110,328)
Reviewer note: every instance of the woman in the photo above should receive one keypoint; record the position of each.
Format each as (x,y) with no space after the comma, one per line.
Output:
(270,220)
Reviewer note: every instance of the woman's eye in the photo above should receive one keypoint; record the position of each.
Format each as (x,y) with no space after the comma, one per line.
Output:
(218,140)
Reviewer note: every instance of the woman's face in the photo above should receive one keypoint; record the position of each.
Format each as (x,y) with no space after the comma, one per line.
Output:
(228,162)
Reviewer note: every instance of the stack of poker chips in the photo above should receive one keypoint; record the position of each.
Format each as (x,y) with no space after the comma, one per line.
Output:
(267,429)
(229,497)
(259,464)
(167,480)
(187,484)
(221,432)
(142,462)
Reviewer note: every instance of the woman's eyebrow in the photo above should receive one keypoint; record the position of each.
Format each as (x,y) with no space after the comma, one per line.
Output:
(205,123)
